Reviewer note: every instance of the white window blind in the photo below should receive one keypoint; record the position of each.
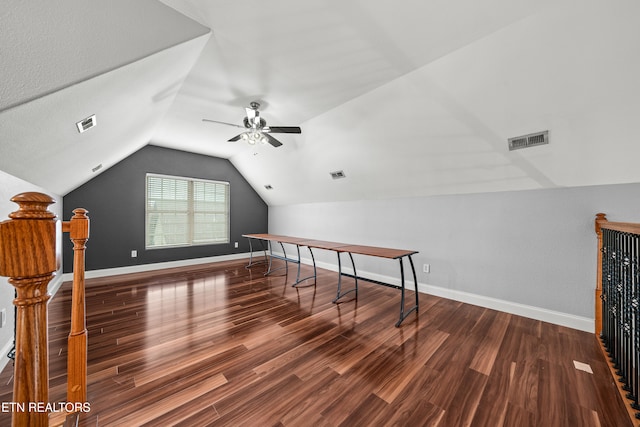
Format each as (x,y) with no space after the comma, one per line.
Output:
(186,211)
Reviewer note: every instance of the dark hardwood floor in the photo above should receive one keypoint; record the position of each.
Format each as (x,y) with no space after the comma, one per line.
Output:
(220,345)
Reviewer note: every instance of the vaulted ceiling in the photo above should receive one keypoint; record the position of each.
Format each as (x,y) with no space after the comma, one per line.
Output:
(409,98)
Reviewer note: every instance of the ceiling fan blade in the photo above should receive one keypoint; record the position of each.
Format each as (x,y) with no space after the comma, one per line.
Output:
(272,140)
(282,129)
(235,138)
(222,123)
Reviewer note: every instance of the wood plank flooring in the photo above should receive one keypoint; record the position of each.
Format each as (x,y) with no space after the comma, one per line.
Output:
(220,345)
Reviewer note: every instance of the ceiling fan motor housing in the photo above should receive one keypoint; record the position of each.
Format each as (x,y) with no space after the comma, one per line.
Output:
(262,123)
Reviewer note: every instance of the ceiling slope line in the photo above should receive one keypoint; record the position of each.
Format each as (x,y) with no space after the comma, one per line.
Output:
(497,142)
(94,75)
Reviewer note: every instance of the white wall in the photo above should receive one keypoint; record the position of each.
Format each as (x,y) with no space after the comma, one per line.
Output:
(9,187)
(528,252)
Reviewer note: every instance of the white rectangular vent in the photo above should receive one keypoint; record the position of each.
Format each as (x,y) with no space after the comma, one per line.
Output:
(86,124)
(338,175)
(531,140)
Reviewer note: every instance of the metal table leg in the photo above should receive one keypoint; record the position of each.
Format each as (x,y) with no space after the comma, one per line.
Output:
(284,258)
(404,314)
(314,276)
(264,250)
(340,294)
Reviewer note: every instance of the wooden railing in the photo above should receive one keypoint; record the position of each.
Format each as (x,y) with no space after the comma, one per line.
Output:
(617,305)
(28,257)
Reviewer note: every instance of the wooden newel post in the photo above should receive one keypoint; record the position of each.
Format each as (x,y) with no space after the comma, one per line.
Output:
(28,258)
(600,219)
(78,229)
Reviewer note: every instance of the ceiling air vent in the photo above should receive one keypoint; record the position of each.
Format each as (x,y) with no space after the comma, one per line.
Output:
(338,175)
(86,124)
(531,140)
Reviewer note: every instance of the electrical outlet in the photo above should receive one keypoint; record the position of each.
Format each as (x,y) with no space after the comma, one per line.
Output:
(426,268)
(236,244)
(134,254)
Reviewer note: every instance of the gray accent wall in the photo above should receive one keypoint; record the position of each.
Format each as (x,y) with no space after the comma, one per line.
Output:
(115,200)
(535,247)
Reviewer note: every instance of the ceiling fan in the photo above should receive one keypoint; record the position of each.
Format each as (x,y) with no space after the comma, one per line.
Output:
(257,129)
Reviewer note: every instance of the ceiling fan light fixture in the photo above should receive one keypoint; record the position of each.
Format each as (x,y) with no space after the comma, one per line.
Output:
(255,129)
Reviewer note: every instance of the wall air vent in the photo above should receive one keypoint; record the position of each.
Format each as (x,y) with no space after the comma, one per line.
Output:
(531,140)
(97,168)
(338,175)
(86,124)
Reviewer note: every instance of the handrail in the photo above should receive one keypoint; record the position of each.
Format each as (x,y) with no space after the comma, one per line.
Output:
(28,257)
(625,227)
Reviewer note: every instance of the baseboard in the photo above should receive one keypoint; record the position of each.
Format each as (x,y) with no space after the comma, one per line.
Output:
(556,317)
(4,360)
(91,274)
(55,284)
(53,287)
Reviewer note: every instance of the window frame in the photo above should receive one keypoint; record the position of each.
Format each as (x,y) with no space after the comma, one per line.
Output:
(191,212)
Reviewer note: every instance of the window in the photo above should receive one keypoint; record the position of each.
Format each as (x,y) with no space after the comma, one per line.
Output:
(186,212)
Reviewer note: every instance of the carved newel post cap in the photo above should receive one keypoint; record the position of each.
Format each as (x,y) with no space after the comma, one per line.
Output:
(33,205)
(80,213)
(600,217)
(28,239)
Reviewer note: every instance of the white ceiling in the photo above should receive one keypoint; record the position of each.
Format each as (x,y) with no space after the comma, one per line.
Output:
(66,60)
(409,98)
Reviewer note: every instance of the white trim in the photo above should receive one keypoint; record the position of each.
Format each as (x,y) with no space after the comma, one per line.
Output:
(91,274)
(186,178)
(556,317)
(4,360)
(190,211)
(53,287)
(55,284)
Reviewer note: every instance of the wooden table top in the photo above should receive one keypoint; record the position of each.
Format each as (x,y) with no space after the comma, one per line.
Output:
(335,246)
(376,251)
(276,238)
(323,244)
